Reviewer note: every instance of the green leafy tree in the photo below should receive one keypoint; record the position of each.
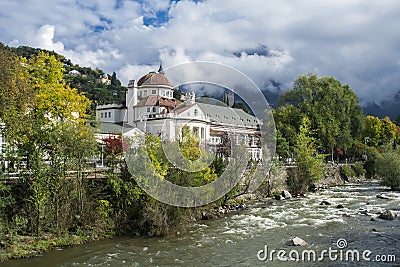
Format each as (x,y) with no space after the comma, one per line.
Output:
(287,121)
(388,168)
(282,146)
(16,97)
(53,140)
(379,131)
(309,164)
(332,108)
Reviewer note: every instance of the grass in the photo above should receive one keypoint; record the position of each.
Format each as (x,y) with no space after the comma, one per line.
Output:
(27,246)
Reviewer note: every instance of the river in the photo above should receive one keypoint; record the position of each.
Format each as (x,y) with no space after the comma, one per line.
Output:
(246,238)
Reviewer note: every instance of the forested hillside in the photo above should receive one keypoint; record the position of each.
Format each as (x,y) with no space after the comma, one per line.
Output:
(98,86)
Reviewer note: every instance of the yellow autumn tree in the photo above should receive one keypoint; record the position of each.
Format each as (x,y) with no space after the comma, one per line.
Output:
(54,99)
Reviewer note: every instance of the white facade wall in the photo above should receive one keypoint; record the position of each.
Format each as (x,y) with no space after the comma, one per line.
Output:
(161,90)
(110,115)
(2,141)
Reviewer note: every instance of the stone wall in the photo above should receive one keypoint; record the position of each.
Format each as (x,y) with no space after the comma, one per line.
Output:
(333,176)
(278,178)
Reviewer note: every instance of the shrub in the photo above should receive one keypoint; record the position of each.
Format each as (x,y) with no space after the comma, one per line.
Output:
(388,168)
(348,171)
(359,169)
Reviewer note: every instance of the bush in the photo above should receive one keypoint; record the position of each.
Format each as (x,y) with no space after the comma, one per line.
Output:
(348,171)
(359,169)
(388,168)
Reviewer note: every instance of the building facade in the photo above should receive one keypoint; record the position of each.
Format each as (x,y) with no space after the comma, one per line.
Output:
(152,108)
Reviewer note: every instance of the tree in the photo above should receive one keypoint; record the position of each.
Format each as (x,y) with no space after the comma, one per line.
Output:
(53,138)
(117,91)
(379,131)
(309,165)
(54,99)
(332,108)
(387,167)
(16,97)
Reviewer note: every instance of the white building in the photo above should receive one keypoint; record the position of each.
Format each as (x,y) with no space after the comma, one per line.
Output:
(151,107)
(3,162)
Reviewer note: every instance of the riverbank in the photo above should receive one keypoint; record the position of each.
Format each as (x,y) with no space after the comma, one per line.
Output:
(16,246)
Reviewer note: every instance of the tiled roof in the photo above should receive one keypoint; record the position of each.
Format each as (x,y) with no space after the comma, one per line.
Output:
(150,100)
(228,116)
(153,100)
(166,102)
(181,108)
(154,78)
(110,128)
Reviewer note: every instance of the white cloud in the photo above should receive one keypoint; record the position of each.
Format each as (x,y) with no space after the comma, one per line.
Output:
(43,38)
(354,40)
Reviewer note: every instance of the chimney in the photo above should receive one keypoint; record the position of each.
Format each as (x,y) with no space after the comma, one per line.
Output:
(131,95)
(190,98)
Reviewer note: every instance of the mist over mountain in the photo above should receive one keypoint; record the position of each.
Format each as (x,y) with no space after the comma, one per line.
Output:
(389,107)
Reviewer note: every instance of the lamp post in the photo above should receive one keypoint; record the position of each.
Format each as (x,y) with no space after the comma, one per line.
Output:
(366,139)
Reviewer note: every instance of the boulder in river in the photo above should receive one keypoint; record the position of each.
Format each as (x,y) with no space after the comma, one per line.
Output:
(279,197)
(388,215)
(340,206)
(204,216)
(324,202)
(297,241)
(286,194)
(382,196)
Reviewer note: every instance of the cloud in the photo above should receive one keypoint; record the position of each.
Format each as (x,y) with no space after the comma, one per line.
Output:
(43,38)
(356,41)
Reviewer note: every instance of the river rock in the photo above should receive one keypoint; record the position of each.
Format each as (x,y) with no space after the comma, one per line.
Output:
(365,212)
(279,197)
(286,194)
(382,196)
(205,216)
(297,241)
(340,206)
(324,202)
(388,215)
(241,206)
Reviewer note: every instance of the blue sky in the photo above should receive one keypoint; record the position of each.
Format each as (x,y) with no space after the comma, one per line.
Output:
(272,42)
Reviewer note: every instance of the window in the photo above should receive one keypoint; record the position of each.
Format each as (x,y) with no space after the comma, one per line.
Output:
(196,111)
(153,92)
(145,93)
(109,114)
(101,115)
(196,131)
(148,109)
(105,114)
(154,109)
(140,93)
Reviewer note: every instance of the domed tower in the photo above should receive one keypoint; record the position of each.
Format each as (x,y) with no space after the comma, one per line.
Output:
(155,83)
(152,96)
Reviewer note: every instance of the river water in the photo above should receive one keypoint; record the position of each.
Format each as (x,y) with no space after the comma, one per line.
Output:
(247,238)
